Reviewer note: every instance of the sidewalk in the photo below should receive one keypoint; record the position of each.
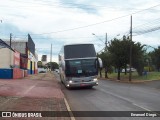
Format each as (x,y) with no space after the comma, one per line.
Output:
(39,92)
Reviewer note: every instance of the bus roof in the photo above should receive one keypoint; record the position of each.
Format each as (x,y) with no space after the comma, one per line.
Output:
(79,44)
(79,51)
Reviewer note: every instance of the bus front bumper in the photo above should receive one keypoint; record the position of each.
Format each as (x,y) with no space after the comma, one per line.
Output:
(82,84)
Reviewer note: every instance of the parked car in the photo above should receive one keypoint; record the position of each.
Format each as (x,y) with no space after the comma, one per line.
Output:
(56,70)
(128,69)
(42,70)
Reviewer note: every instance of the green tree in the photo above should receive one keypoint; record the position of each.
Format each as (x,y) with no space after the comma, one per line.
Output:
(107,62)
(155,56)
(119,50)
(138,54)
(52,65)
(39,64)
(126,44)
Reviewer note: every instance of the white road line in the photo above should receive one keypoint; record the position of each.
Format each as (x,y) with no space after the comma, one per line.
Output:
(146,109)
(29,89)
(141,107)
(4,102)
(126,99)
(69,110)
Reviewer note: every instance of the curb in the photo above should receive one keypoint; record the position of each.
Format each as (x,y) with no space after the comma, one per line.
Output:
(69,110)
(126,81)
(68,107)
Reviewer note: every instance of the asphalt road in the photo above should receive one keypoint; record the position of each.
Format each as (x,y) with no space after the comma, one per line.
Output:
(115,96)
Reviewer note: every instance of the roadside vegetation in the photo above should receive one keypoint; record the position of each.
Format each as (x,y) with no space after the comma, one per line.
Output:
(116,57)
(49,65)
(135,77)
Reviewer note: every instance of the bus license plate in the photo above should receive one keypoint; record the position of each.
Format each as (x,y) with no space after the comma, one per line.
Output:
(83,84)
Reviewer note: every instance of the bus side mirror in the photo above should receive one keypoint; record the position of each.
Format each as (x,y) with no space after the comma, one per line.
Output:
(100,63)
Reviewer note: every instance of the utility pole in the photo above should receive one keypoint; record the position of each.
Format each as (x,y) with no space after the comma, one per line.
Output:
(10,39)
(51,54)
(106,41)
(11,47)
(51,59)
(130,56)
(106,69)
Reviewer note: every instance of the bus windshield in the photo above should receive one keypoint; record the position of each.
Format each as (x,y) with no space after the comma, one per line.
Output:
(81,67)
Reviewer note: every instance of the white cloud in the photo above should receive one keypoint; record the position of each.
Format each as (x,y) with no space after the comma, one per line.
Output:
(45,17)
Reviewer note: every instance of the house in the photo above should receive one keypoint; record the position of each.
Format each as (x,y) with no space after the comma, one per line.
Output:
(23,59)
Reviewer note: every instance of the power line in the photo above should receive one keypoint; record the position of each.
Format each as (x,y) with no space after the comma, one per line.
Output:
(101,50)
(98,38)
(147,27)
(97,22)
(148,23)
(82,26)
(143,31)
(146,31)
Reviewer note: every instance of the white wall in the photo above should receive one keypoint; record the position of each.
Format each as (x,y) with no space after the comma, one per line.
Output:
(6,58)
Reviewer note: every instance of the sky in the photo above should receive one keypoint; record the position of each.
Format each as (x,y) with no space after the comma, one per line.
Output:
(60,22)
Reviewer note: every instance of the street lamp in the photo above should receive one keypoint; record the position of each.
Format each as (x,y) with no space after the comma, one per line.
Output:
(98,37)
(105,50)
(103,43)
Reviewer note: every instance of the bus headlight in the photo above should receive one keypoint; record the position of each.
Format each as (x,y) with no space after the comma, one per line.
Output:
(70,81)
(95,79)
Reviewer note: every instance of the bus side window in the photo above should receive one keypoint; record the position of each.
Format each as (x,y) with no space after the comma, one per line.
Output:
(96,63)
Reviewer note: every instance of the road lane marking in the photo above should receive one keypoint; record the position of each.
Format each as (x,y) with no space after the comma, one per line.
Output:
(146,109)
(28,90)
(4,102)
(141,107)
(69,110)
(126,99)
(8,99)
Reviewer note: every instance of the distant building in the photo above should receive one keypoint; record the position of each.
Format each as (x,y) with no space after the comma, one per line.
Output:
(10,64)
(28,57)
(44,59)
(9,59)
(4,45)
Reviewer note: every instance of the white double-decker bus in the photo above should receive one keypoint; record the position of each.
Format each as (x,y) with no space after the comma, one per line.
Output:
(78,65)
